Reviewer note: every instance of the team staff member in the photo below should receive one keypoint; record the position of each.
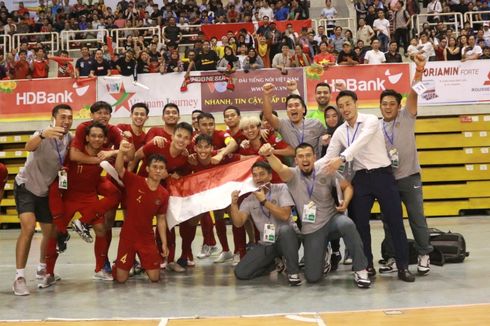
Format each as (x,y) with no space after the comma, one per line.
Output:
(321,220)
(359,145)
(295,129)
(398,127)
(145,199)
(270,210)
(48,148)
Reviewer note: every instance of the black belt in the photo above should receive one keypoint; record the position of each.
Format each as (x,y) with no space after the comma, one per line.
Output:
(385,168)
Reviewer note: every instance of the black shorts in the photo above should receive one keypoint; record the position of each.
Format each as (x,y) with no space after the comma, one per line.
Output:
(27,202)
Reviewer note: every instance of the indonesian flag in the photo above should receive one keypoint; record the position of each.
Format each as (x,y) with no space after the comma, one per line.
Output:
(208,190)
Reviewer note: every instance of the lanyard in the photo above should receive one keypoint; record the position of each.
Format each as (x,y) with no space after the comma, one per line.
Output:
(59,153)
(309,188)
(301,136)
(349,141)
(268,197)
(392,138)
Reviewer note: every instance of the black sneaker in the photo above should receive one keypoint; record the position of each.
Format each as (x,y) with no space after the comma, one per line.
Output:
(62,239)
(294,280)
(388,267)
(406,276)
(82,230)
(182,262)
(335,259)
(371,271)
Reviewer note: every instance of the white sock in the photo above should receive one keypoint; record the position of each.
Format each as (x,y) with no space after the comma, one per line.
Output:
(41,266)
(20,273)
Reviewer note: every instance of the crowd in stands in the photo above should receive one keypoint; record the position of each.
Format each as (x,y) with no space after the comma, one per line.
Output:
(384,33)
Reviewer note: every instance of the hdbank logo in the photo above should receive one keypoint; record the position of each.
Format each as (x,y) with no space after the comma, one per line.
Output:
(80,89)
(393,78)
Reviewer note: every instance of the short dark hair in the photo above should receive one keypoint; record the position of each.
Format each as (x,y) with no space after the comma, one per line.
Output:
(99,105)
(170,105)
(95,125)
(156,158)
(203,137)
(205,115)
(323,84)
(302,146)
(185,126)
(140,105)
(346,93)
(59,107)
(196,111)
(261,115)
(391,92)
(231,107)
(264,165)
(297,97)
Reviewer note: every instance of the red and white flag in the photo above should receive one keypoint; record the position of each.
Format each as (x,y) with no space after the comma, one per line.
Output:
(207,190)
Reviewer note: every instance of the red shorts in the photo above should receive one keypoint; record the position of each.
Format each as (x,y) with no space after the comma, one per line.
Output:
(147,251)
(86,205)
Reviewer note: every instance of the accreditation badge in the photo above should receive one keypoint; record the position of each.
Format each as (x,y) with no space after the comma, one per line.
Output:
(309,213)
(62,179)
(395,161)
(269,233)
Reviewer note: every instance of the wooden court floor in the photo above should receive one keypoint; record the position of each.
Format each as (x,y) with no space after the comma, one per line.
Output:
(478,315)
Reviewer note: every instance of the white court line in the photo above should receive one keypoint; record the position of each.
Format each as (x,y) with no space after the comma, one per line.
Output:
(163,322)
(317,319)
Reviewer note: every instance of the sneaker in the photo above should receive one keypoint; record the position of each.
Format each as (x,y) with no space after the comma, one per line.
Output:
(173,266)
(388,267)
(40,274)
(205,252)
(406,276)
(347,258)
(423,265)
(82,230)
(62,239)
(47,281)
(163,265)
(214,250)
(102,275)
(236,259)
(107,267)
(136,269)
(335,260)
(182,262)
(362,279)
(371,271)
(294,280)
(20,287)
(327,265)
(191,263)
(223,256)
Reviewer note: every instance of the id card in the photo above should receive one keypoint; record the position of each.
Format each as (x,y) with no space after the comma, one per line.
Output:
(309,213)
(395,162)
(62,179)
(419,88)
(269,233)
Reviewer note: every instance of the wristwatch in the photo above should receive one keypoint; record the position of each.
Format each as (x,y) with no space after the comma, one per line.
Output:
(41,135)
(343,159)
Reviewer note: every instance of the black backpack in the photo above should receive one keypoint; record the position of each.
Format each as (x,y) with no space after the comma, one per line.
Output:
(448,247)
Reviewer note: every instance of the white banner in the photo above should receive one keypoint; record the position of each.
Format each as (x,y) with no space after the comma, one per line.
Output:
(155,90)
(456,82)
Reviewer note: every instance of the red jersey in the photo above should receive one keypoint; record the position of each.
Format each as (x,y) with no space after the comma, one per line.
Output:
(82,178)
(65,70)
(142,204)
(219,138)
(114,136)
(173,163)
(273,140)
(157,131)
(238,136)
(21,70)
(226,159)
(137,140)
(40,68)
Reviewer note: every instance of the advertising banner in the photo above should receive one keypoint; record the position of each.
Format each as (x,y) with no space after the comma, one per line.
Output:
(456,82)
(27,100)
(368,81)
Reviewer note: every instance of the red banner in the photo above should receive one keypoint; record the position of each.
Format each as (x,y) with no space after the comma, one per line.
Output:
(22,100)
(368,81)
(220,30)
(247,94)
(297,24)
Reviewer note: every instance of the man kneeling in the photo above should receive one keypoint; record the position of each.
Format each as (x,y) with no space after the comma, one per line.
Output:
(270,209)
(145,198)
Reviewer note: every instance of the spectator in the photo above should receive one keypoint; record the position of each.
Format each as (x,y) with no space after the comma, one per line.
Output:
(295,11)
(365,32)
(486,33)
(462,7)
(84,64)
(172,33)
(174,64)
(452,52)
(329,13)
(282,12)
(252,61)
(349,37)
(65,69)
(40,65)
(361,50)
(265,28)
(275,40)
(361,8)
(320,34)
(265,10)
(263,50)
(347,57)
(337,39)
(21,68)
(207,59)
(282,60)
(291,36)
(486,53)
(126,65)
(471,51)
(229,63)
(401,22)
(440,49)
(382,28)
(426,48)
(232,16)
(324,58)
(434,8)
(371,16)
(374,56)
(393,56)
(10,28)
(413,48)
(100,66)
(299,59)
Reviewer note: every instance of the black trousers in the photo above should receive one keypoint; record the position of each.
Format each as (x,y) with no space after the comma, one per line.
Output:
(379,184)
(401,38)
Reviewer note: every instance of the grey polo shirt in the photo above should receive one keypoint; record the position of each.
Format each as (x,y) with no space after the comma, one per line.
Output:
(309,131)
(278,195)
(43,164)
